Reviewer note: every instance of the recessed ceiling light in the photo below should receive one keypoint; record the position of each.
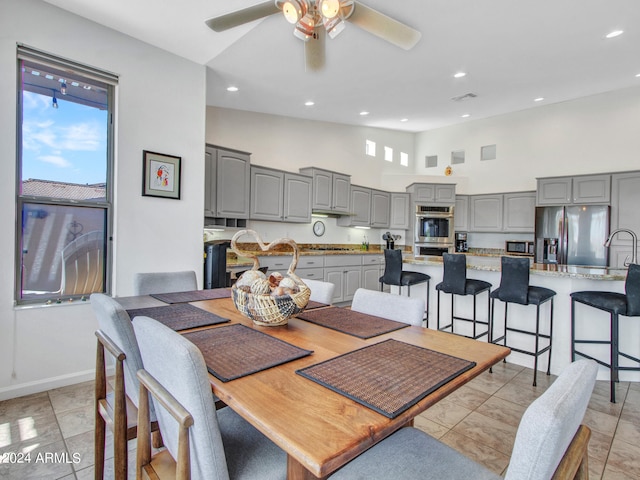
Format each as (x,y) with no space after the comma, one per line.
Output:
(232,89)
(309,103)
(615,33)
(638,75)
(460,74)
(466,115)
(364,113)
(539,99)
(404,119)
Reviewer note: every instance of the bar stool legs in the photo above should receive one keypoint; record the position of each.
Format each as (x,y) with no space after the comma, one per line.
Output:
(474,320)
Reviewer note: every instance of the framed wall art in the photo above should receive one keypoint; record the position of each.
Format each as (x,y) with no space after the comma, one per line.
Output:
(160,175)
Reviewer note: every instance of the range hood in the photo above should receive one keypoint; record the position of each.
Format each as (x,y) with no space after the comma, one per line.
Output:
(330,213)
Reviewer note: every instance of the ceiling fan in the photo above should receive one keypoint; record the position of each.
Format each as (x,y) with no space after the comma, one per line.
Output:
(315,19)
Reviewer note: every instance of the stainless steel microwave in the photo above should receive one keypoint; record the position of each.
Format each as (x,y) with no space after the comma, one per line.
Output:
(519,247)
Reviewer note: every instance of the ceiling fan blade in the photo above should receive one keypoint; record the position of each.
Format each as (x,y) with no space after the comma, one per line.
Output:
(314,51)
(385,27)
(240,17)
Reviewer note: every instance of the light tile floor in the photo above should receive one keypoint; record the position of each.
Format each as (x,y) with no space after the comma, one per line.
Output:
(480,420)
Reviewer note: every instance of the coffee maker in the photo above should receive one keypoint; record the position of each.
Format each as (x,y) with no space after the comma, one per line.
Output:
(461,242)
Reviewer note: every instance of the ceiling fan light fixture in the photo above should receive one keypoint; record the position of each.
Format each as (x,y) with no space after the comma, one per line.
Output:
(305,27)
(334,26)
(329,8)
(294,10)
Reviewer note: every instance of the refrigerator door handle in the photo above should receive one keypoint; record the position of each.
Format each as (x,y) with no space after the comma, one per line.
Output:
(564,240)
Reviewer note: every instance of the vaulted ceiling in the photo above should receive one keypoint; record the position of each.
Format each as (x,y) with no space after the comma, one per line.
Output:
(512,51)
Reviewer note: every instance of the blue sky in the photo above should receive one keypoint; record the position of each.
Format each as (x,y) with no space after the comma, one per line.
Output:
(65,144)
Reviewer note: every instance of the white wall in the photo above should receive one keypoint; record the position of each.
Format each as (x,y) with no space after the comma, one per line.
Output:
(588,135)
(50,346)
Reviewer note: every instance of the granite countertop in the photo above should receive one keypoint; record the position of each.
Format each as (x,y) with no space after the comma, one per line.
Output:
(234,260)
(492,264)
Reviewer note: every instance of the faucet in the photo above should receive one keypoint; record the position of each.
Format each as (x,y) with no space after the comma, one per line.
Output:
(634,242)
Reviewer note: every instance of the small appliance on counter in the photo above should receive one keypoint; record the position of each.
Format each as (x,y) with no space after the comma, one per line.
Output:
(519,247)
(461,242)
(215,264)
(390,241)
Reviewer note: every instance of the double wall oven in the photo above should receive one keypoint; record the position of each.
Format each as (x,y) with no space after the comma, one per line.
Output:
(434,233)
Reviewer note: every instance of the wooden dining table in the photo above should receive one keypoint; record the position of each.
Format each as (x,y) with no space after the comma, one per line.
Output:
(319,429)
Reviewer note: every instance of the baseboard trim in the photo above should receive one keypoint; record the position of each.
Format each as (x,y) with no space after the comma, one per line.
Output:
(43,385)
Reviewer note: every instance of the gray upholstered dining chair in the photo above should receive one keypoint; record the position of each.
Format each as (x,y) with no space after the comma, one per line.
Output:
(320,291)
(222,445)
(117,410)
(386,305)
(164,282)
(550,442)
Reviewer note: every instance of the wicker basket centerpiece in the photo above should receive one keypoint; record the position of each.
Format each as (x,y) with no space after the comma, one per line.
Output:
(268,299)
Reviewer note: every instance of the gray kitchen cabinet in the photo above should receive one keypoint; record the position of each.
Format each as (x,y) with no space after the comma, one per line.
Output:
(437,193)
(226,185)
(267,192)
(380,209)
(371,266)
(519,212)
(232,184)
(280,196)
(399,217)
(574,190)
(297,198)
(330,190)
(360,207)
(625,200)
(592,189)
(461,214)
(485,213)
(345,272)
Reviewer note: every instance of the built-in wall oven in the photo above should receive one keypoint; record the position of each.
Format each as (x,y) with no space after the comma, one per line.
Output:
(434,233)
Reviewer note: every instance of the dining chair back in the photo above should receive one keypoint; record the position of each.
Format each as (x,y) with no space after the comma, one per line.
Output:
(221,444)
(83,265)
(320,291)
(550,443)
(386,305)
(117,409)
(164,282)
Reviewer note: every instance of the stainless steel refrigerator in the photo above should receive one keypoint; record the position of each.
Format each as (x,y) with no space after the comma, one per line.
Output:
(572,235)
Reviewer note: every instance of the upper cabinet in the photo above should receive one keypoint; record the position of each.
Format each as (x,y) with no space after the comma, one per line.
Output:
(625,198)
(574,190)
(399,217)
(485,213)
(360,206)
(380,208)
(461,214)
(280,196)
(519,211)
(330,190)
(502,212)
(437,193)
(227,180)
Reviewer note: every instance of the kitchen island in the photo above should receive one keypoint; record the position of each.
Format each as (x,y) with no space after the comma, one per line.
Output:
(563,279)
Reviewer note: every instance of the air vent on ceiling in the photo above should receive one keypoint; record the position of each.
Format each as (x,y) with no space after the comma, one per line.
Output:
(466,96)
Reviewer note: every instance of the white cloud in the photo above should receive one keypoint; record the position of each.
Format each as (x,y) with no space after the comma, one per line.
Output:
(80,136)
(56,161)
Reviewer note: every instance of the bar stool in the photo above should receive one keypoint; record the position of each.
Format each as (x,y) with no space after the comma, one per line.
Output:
(626,304)
(515,288)
(394,275)
(455,282)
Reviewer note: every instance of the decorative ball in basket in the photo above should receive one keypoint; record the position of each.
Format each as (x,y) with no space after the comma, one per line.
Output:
(271,299)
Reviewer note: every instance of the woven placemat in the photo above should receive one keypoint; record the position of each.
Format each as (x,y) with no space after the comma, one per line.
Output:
(388,377)
(312,304)
(234,351)
(180,316)
(193,295)
(351,322)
